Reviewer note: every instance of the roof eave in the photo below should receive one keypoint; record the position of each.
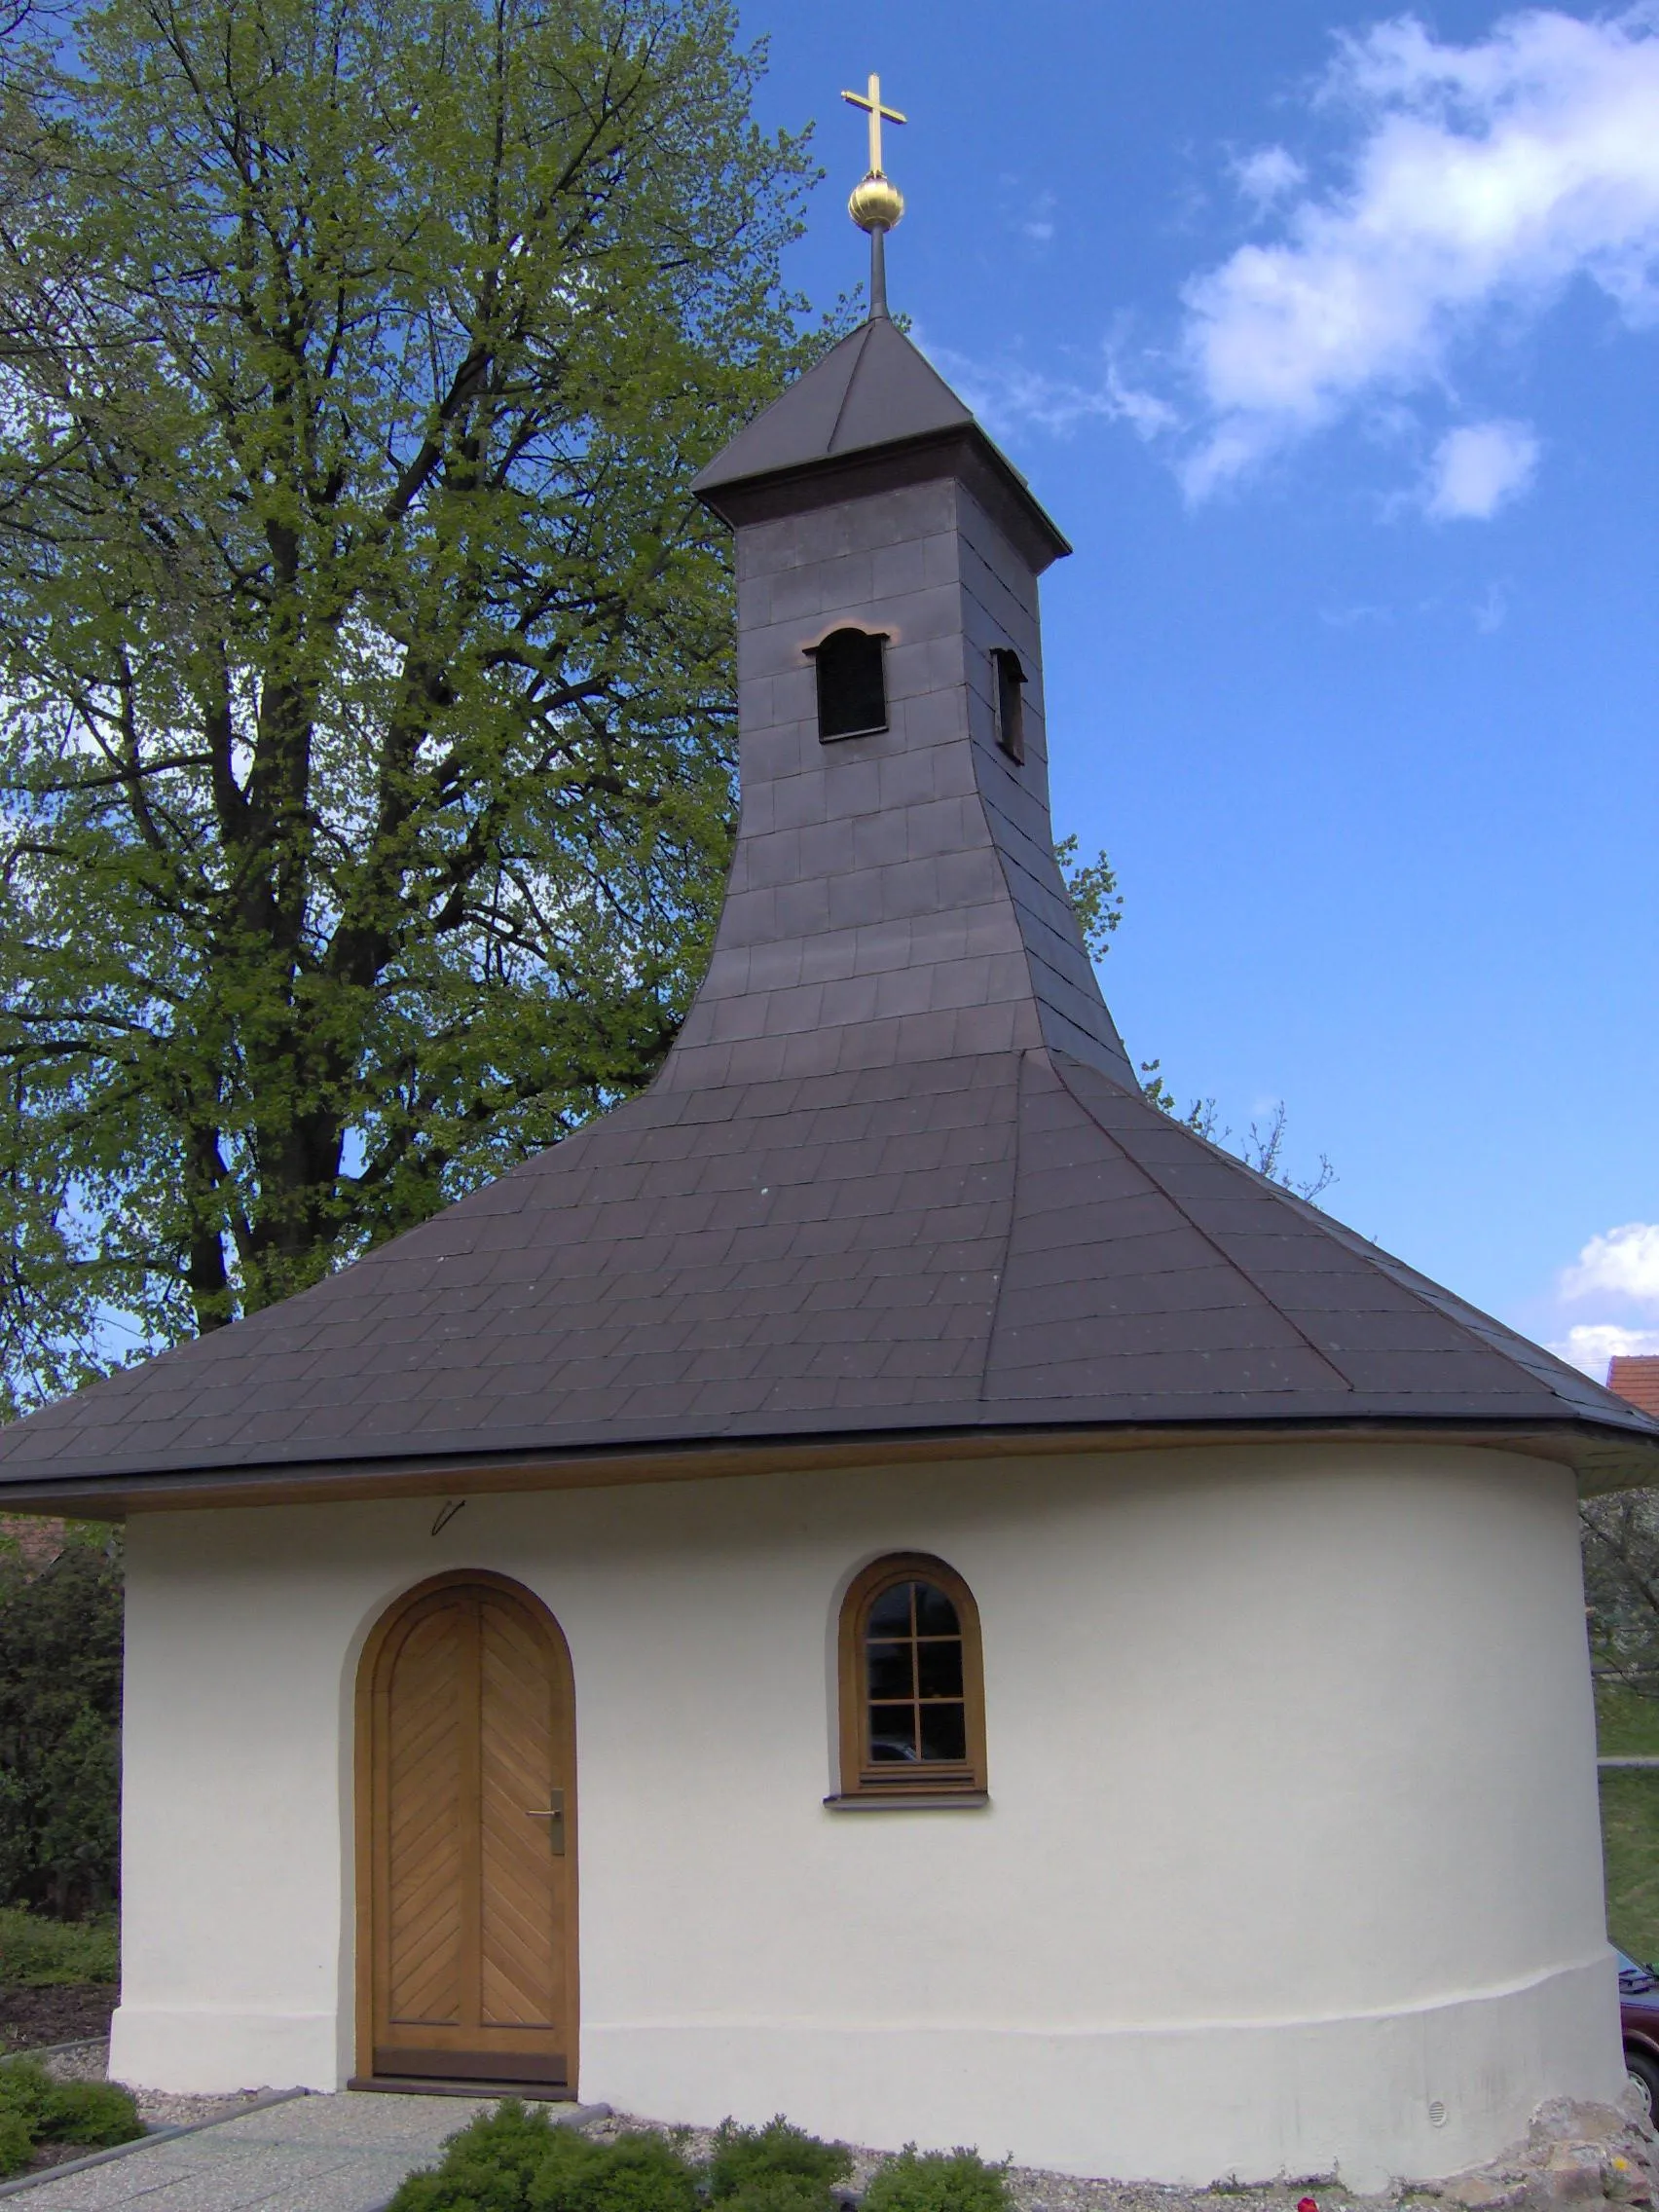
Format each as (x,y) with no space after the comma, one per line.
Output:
(1603,1457)
(964,451)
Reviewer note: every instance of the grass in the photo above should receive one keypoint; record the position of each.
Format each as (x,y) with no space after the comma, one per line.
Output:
(1629,1724)
(1630,1851)
(44,1954)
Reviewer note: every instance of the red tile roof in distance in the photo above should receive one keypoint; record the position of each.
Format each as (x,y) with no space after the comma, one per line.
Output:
(1637,1379)
(896,1177)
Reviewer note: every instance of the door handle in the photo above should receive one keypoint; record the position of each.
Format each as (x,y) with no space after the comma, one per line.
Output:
(554,1816)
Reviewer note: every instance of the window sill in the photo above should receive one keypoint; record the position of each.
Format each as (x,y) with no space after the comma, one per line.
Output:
(910,1801)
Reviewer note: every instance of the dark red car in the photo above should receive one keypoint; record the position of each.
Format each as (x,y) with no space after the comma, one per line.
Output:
(1639,2016)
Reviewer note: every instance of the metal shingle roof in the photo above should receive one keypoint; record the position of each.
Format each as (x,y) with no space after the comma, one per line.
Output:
(897,1174)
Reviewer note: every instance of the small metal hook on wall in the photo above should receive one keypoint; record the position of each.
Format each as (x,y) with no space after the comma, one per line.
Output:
(447,1512)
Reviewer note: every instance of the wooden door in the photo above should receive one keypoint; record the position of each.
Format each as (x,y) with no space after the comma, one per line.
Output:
(466,1857)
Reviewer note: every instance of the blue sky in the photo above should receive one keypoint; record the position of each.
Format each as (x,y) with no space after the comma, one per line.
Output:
(1331,339)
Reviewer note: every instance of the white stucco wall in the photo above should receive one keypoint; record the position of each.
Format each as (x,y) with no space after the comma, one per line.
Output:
(1292,1863)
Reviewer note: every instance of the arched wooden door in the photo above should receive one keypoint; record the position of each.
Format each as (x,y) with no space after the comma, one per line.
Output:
(467,1839)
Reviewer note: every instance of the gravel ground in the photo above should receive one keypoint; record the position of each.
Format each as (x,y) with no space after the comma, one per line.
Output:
(89,2061)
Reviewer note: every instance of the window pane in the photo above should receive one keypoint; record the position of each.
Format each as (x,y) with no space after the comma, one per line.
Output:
(890,1615)
(890,1670)
(936,1616)
(892,1732)
(944,1732)
(940,1667)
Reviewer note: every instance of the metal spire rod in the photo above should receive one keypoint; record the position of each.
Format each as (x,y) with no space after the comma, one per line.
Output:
(876,203)
(878,275)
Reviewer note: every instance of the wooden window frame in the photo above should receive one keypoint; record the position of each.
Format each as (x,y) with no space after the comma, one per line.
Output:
(863,1780)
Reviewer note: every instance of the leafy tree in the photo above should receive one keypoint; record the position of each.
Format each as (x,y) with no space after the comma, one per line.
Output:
(1095,899)
(1621,1586)
(1263,1148)
(365,680)
(60,1640)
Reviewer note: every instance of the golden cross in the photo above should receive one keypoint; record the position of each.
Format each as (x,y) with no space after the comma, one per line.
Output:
(876,111)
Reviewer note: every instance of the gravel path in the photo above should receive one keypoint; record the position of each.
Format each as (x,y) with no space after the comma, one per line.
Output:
(317,2153)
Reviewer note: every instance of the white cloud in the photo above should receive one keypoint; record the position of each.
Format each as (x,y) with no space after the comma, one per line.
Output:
(1485,177)
(1592,1345)
(1491,609)
(1478,468)
(1620,1269)
(1039,223)
(1008,397)
(1268,175)
(1624,1263)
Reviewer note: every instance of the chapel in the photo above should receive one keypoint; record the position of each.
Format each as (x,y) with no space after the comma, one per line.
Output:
(884,1579)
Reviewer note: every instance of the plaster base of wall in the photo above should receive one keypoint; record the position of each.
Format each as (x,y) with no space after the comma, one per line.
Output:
(194,2049)
(1193,2104)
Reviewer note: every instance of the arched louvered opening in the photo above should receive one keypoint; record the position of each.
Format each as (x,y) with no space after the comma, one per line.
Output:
(852,683)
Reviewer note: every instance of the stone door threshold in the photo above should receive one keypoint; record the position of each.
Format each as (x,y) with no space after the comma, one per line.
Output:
(433,2085)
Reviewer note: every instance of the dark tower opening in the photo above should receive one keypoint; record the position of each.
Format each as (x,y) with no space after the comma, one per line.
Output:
(852,683)
(1011,702)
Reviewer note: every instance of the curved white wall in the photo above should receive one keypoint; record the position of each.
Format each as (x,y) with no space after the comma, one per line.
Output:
(1292,1863)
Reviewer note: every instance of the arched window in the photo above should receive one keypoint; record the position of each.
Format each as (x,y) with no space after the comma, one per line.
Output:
(912,1690)
(852,683)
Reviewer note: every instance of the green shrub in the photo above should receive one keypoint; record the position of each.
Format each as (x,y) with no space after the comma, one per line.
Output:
(637,2173)
(519,2159)
(486,2165)
(96,2113)
(778,2192)
(36,1953)
(938,2181)
(775,2168)
(60,1729)
(16,2143)
(34,2108)
(26,2090)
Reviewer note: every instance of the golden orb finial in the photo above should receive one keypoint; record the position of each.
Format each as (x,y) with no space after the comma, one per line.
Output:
(876,203)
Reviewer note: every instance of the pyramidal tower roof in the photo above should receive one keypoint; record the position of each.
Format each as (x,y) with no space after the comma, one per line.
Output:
(896,1186)
(874,388)
(872,395)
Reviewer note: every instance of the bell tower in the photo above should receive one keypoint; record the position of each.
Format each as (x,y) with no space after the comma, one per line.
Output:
(894,893)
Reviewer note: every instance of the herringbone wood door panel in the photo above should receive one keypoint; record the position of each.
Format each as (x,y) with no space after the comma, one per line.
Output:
(522,1766)
(423,1789)
(467,1797)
